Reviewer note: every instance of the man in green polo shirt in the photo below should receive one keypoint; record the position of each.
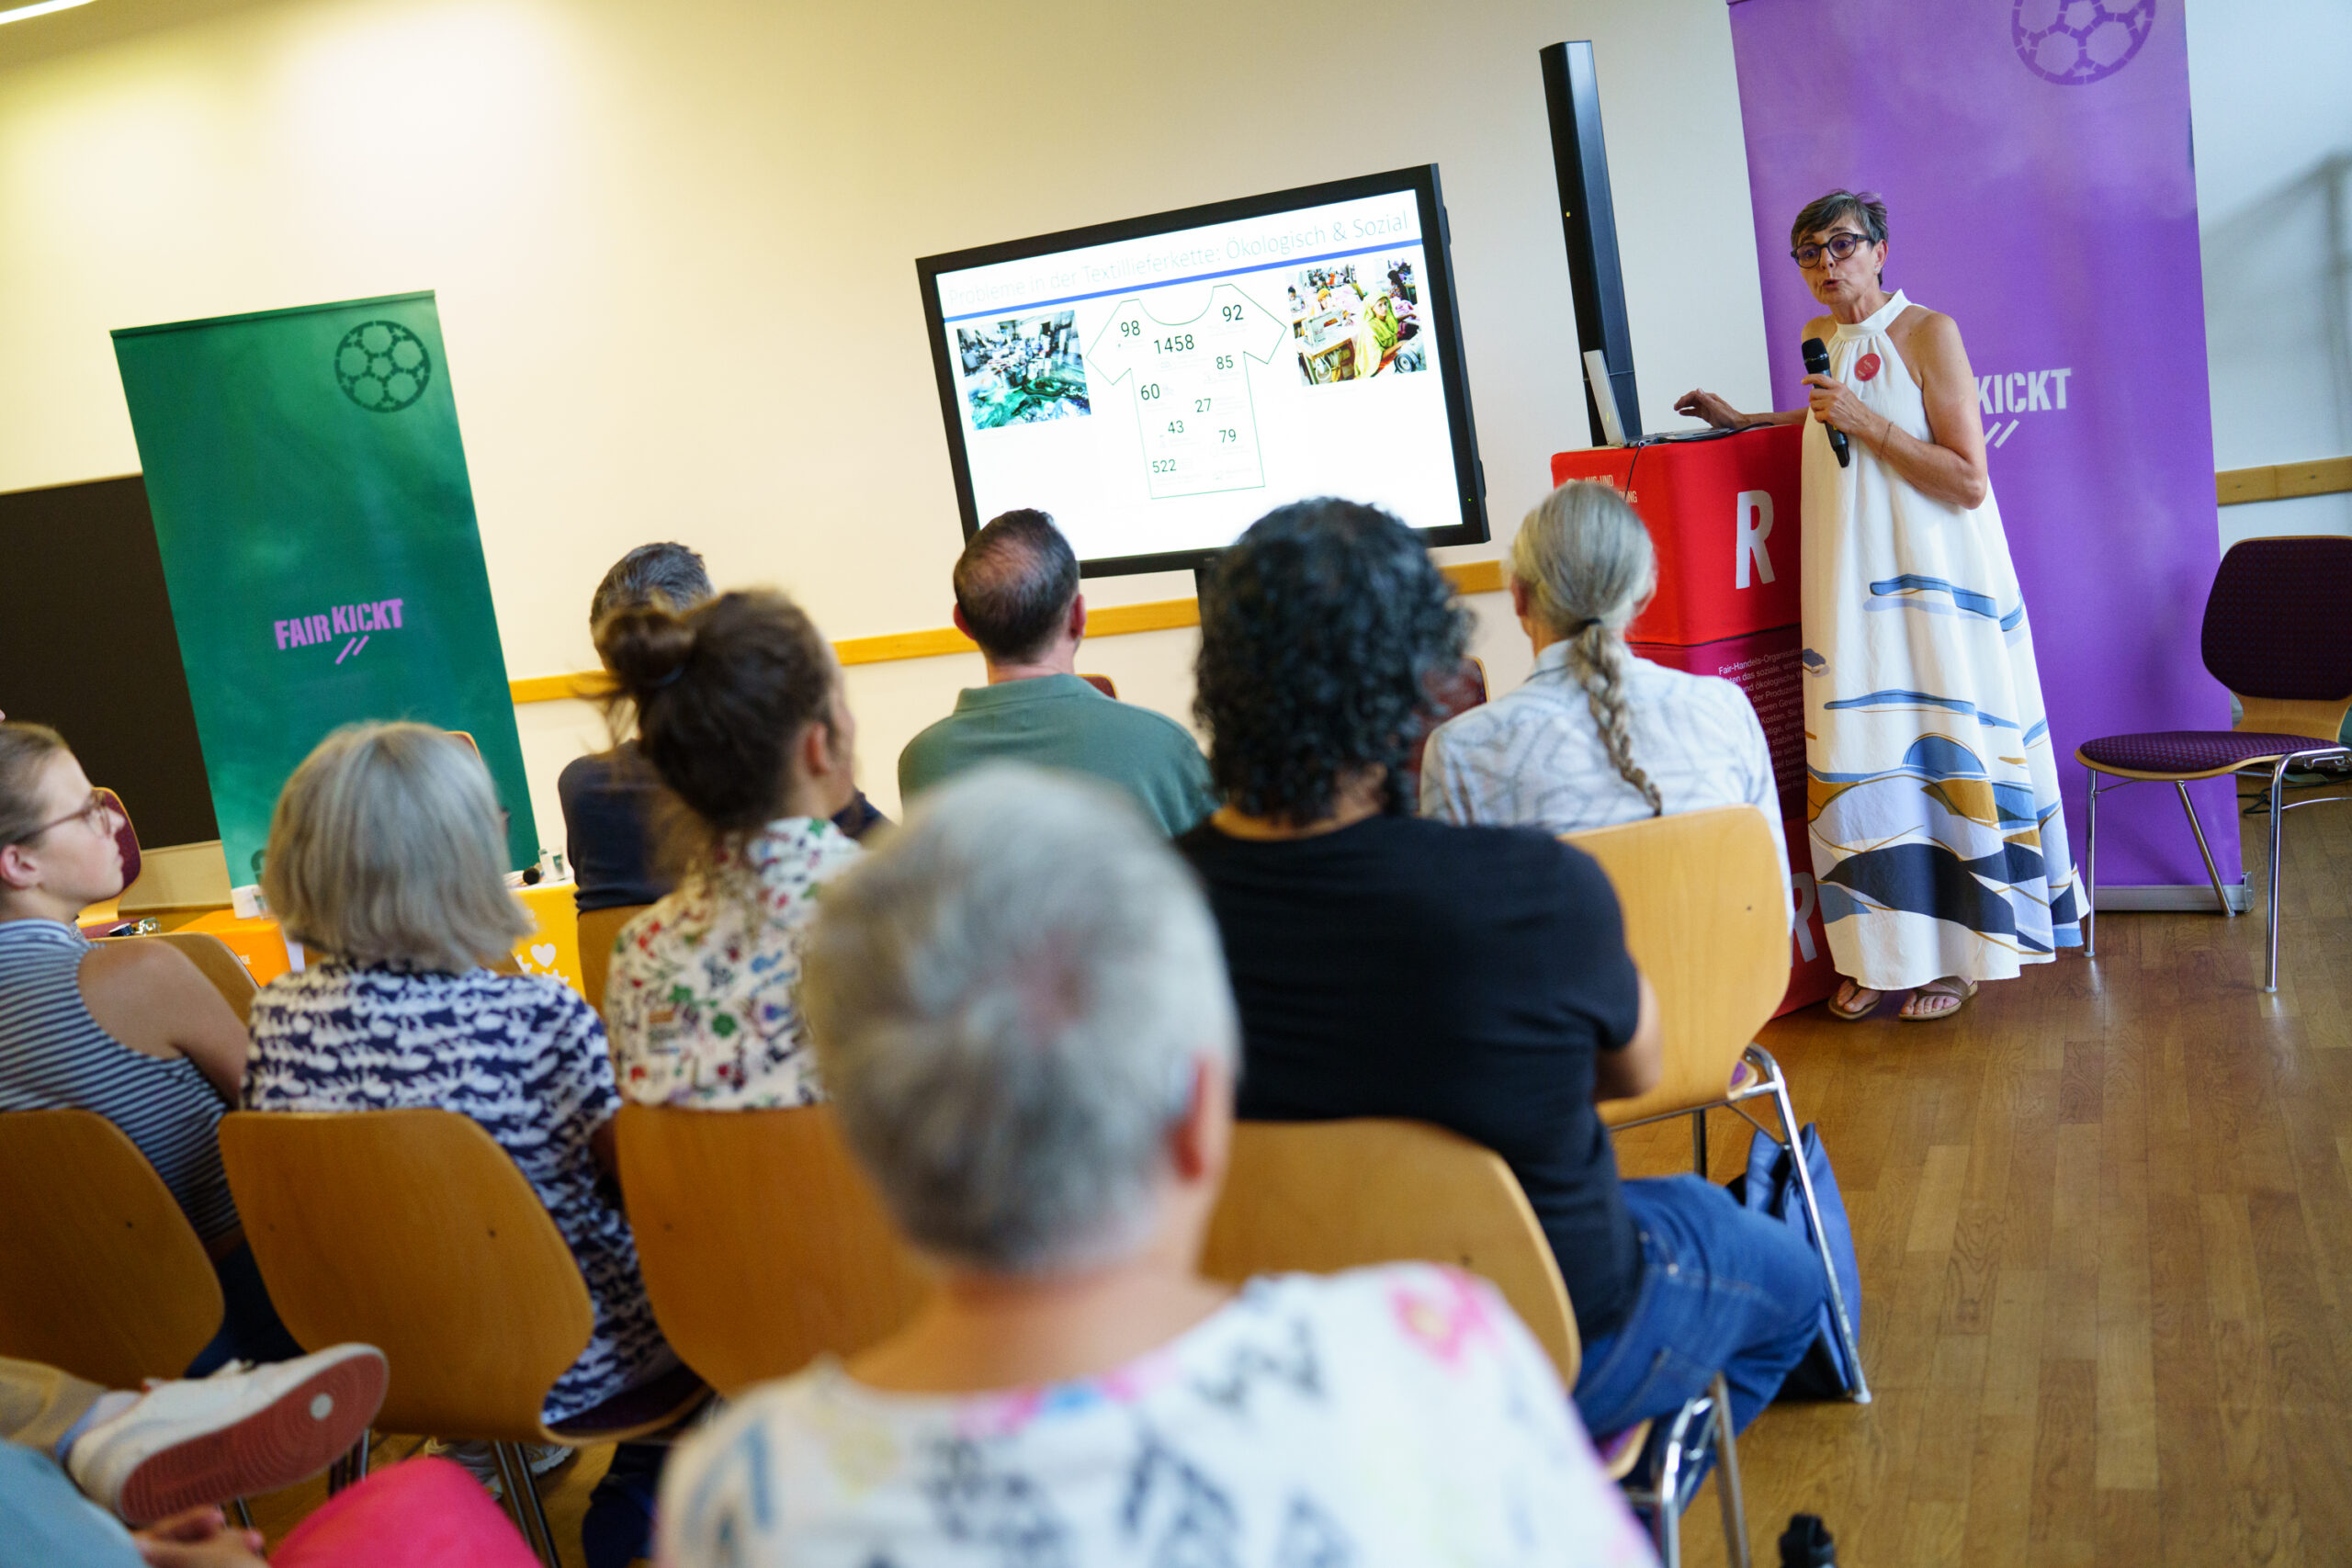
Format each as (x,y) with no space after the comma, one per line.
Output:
(1016,596)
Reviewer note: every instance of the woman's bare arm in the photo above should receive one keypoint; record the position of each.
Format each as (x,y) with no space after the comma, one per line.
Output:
(148,995)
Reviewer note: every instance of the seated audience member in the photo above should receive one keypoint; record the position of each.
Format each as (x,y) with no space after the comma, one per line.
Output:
(741,714)
(385,861)
(611,798)
(167,1455)
(1475,977)
(1016,596)
(131,1030)
(1026,1031)
(1597,736)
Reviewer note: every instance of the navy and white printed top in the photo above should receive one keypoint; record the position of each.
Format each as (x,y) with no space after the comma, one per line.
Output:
(53,1056)
(523,1055)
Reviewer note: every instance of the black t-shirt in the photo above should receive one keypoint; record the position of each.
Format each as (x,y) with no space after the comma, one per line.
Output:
(1458,975)
(608,803)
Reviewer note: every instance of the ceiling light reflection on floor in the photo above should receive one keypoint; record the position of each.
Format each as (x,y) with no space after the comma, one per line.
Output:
(21,13)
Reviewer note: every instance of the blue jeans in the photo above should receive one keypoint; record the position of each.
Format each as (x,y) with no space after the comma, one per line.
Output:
(1723,1289)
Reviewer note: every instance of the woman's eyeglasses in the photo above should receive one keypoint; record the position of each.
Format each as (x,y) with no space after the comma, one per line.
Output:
(1840,247)
(99,811)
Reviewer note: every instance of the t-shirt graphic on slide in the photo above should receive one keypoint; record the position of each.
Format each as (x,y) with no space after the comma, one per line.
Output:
(1191,394)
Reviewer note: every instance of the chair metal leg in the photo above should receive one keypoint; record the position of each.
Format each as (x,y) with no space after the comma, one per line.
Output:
(359,1461)
(243,1515)
(1727,1494)
(2277,820)
(515,1475)
(538,1511)
(1793,1141)
(1666,1491)
(2197,828)
(1698,1143)
(2090,869)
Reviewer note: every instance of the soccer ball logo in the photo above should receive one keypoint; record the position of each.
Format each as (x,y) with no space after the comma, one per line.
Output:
(2073,42)
(383,367)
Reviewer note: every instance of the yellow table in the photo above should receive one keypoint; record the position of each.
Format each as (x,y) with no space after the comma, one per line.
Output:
(552,948)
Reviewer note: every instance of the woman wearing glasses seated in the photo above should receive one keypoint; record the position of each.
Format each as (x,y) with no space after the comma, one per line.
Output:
(1938,842)
(129,1029)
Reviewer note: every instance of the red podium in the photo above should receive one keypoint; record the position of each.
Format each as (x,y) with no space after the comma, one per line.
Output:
(1723,514)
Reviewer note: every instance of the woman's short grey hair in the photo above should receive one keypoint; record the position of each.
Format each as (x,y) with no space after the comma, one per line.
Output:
(1866,207)
(1589,567)
(1009,999)
(386,848)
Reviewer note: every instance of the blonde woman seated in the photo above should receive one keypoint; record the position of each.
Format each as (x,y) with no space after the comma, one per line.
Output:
(741,714)
(1597,734)
(1023,1019)
(385,862)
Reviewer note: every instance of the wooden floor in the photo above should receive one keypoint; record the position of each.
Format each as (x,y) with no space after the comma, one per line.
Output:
(2104,1226)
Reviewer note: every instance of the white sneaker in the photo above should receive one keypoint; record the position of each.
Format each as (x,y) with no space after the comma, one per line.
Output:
(236,1433)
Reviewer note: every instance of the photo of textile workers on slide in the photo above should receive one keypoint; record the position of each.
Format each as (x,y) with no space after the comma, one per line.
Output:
(1018,372)
(1351,331)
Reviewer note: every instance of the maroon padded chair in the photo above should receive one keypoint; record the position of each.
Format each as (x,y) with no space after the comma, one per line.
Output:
(2278,635)
(1456,691)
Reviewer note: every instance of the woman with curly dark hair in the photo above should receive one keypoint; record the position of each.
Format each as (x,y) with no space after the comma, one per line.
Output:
(1477,978)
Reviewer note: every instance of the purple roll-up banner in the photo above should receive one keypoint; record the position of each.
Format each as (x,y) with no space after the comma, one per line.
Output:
(2035,160)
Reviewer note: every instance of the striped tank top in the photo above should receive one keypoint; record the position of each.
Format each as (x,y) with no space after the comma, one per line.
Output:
(53,1056)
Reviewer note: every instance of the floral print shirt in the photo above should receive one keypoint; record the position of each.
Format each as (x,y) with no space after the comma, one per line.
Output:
(699,1001)
(1393,1415)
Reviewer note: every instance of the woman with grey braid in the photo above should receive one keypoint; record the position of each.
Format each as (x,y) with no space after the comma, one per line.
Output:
(1597,734)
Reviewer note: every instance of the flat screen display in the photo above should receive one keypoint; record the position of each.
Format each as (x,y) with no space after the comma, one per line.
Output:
(1161,383)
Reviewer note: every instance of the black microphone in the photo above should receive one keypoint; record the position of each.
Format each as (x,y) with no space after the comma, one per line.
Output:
(1816,363)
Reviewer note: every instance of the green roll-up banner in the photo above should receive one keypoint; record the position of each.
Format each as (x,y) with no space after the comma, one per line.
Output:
(317,529)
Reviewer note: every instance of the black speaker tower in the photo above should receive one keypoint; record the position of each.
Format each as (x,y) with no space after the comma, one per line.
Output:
(1596,279)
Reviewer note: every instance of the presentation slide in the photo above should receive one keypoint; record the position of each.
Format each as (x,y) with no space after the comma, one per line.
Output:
(1157,394)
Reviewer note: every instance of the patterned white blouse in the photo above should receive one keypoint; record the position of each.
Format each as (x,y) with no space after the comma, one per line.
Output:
(1398,1414)
(700,999)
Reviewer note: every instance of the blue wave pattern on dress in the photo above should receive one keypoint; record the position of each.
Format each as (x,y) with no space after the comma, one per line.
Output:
(1939,843)
(521,1055)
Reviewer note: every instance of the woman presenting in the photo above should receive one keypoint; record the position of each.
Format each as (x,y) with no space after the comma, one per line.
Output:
(1938,842)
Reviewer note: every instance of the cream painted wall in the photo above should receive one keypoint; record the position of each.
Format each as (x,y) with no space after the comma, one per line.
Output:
(673,246)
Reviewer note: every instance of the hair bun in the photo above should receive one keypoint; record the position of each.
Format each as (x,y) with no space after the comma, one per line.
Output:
(646,647)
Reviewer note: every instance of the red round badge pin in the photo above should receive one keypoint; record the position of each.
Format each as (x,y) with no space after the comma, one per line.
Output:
(1866,366)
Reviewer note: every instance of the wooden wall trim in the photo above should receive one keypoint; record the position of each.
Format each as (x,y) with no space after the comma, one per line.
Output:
(1111,620)
(2283,481)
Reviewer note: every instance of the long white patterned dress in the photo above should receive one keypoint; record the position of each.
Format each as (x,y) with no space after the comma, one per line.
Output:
(1938,840)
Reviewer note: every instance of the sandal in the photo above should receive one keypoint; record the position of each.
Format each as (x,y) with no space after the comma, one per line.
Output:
(1856,1010)
(1951,985)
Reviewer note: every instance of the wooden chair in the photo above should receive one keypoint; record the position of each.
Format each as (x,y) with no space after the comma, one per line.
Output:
(1103,683)
(2275,635)
(104,1277)
(1707,920)
(1319,1197)
(413,1231)
(761,1243)
(599,928)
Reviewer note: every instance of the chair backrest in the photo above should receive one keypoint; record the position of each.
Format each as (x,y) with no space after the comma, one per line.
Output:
(2277,633)
(1317,1197)
(761,1243)
(1707,919)
(103,1276)
(413,1231)
(599,928)
(1103,683)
